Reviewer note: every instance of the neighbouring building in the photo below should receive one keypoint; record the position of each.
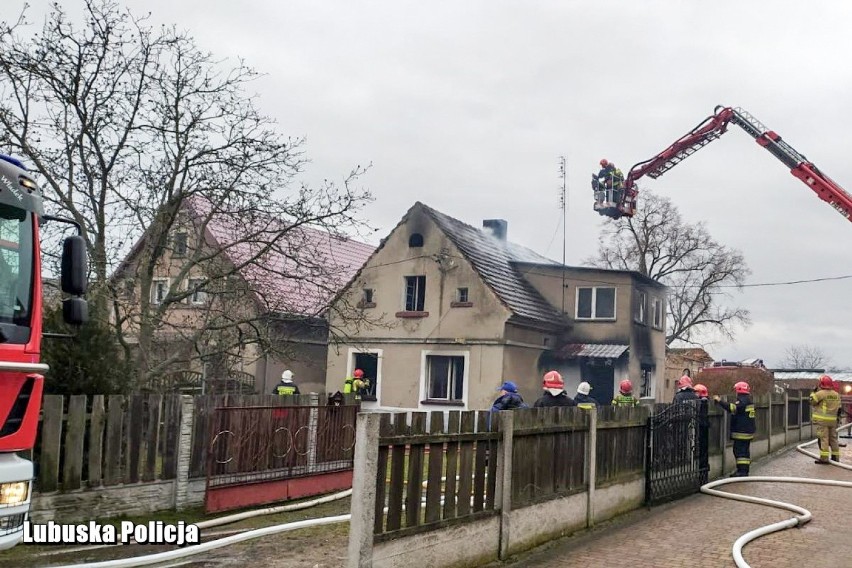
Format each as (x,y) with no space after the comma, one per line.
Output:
(679,359)
(463,309)
(270,287)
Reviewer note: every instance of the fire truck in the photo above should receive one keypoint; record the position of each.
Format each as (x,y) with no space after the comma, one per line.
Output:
(620,201)
(21,373)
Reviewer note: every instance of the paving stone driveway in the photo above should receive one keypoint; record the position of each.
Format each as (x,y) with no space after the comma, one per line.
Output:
(699,531)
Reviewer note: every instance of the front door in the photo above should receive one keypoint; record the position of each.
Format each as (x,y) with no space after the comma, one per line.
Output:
(601,377)
(369,363)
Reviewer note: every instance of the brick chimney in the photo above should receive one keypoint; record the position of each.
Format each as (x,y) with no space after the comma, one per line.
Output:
(497,227)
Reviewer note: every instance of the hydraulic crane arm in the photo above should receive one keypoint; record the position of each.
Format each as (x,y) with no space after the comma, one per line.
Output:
(712,128)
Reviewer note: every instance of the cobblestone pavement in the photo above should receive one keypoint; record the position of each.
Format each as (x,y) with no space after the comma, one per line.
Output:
(701,530)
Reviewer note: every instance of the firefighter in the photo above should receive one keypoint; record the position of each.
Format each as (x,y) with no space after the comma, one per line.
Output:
(685,392)
(582,398)
(356,384)
(554,392)
(742,426)
(701,391)
(625,395)
(286,386)
(826,403)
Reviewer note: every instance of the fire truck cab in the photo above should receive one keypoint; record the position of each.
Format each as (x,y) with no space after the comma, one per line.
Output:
(21,372)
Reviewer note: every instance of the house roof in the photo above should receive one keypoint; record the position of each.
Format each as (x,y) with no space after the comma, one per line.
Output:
(810,374)
(496,260)
(696,353)
(301,275)
(596,350)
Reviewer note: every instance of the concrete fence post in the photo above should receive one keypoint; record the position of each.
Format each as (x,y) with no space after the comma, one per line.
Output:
(504,467)
(363,509)
(769,427)
(801,417)
(183,452)
(313,422)
(786,418)
(591,465)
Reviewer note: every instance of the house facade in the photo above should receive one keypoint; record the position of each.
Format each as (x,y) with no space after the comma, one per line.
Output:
(462,309)
(215,272)
(678,359)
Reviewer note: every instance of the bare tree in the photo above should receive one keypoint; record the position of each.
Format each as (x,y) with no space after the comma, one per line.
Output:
(699,271)
(805,357)
(130,128)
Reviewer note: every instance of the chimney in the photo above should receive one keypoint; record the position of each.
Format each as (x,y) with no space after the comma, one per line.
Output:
(496,227)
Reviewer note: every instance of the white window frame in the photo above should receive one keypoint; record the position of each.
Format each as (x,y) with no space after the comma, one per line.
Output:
(640,311)
(405,292)
(424,380)
(658,303)
(350,368)
(466,294)
(175,251)
(154,288)
(594,290)
(201,298)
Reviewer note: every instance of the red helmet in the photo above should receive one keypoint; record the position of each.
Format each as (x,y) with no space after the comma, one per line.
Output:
(742,388)
(604,163)
(684,382)
(625,386)
(358,374)
(553,380)
(701,390)
(825,382)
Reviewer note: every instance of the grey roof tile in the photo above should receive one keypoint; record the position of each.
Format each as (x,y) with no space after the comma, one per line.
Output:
(494,260)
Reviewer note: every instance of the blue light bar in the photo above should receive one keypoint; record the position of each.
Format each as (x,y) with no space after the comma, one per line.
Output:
(13,161)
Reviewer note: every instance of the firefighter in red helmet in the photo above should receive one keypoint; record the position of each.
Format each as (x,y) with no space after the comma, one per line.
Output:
(742,426)
(685,392)
(826,405)
(702,392)
(625,395)
(554,392)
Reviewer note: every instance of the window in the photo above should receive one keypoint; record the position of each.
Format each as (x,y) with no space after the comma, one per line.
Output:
(415,293)
(159,290)
(197,294)
(647,378)
(367,297)
(16,269)
(445,376)
(595,303)
(462,295)
(641,303)
(415,240)
(180,244)
(129,288)
(657,307)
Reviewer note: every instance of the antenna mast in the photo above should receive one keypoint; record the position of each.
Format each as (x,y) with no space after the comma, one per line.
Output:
(563,204)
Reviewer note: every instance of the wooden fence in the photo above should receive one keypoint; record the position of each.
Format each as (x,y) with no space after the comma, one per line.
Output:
(104,440)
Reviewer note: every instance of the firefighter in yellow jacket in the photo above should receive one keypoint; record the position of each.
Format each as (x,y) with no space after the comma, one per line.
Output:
(826,403)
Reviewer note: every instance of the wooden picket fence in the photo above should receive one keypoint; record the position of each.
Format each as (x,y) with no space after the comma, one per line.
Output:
(105,440)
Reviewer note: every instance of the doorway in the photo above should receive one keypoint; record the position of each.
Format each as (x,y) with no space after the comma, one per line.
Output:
(369,363)
(601,377)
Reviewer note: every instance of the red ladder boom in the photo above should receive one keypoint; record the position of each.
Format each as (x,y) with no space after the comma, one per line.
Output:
(710,129)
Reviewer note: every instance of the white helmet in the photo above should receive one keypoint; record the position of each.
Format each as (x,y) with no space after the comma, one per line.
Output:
(584,388)
(287,375)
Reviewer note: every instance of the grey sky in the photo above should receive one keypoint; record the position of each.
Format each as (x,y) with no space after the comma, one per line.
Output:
(467,105)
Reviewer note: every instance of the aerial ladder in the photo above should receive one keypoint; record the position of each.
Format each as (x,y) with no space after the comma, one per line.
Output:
(622,201)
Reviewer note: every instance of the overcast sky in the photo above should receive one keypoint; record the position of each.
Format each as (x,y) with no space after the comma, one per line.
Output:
(467,106)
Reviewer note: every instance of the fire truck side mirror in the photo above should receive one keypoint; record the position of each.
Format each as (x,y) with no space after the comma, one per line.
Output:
(74,269)
(75,311)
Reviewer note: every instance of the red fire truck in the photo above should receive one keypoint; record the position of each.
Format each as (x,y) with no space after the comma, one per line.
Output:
(620,201)
(21,373)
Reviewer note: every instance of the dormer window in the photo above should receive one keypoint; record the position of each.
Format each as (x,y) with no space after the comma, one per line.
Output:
(415,240)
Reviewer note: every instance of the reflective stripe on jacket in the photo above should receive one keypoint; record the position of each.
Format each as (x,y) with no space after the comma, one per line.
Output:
(624,400)
(826,403)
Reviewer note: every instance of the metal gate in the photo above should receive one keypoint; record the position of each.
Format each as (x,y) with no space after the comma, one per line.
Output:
(676,458)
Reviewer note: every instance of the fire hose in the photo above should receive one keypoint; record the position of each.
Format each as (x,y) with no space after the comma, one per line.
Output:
(801,516)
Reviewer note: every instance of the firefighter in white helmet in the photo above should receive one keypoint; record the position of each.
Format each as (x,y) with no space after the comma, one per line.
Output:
(287,386)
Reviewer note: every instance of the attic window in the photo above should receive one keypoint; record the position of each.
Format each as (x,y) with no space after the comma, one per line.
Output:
(415,240)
